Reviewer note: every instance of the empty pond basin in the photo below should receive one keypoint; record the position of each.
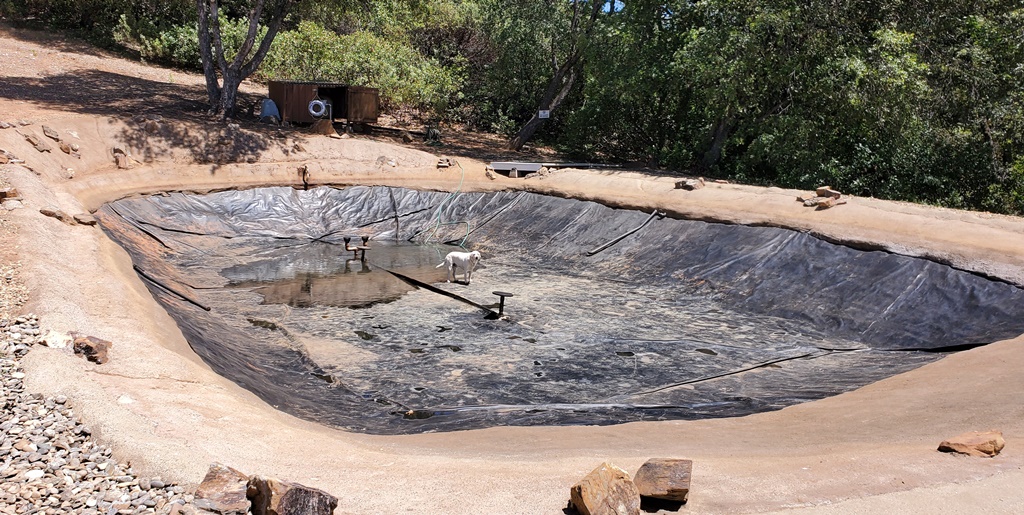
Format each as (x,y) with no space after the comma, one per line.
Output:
(677,320)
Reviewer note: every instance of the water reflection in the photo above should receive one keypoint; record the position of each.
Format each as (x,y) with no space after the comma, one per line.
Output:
(323,274)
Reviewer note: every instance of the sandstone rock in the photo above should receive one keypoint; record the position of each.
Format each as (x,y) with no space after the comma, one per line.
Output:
(36,142)
(64,147)
(11,204)
(223,491)
(489,175)
(827,191)
(407,138)
(607,490)
(690,184)
(271,496)
(85,219)
(50,133)
(24,123)
(5,125)
(58,214)
(92,348)
(4,159)
(122,161)
(664,478)
(298,147)
(56,340)
(825,203)
(9,192)
(984,444)
(152,126)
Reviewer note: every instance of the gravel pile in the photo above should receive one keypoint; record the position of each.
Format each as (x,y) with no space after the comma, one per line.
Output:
(49,463)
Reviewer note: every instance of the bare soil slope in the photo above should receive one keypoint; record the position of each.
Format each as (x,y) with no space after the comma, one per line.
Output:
(867,451)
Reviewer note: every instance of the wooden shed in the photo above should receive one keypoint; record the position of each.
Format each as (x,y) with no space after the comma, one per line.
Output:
(354,104)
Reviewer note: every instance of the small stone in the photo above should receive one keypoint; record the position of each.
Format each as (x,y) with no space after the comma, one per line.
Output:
(34,474)
(36,142)
(223,490)
(662,478)
(50,133)
(606,490)
(92,348)
(827,191)
(985,444)
(85,219)
(690,184)
(273,496)
(58,214)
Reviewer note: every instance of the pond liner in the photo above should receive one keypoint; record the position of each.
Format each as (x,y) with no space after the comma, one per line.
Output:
(680,319)
(490,315)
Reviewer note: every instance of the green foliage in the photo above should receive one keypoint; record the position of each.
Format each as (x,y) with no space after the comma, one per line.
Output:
(406,78)
(96,19)
(916,100)
(179,45)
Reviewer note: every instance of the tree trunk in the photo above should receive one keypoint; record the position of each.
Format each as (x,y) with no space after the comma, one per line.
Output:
(556,92)
(229,93)
(565,75)
(223,95)
(206,53)
(719,135)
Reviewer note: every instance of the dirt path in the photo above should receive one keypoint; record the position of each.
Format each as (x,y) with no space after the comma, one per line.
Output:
(157,405)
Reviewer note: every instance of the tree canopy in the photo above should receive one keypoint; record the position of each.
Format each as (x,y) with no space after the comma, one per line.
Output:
(899,99)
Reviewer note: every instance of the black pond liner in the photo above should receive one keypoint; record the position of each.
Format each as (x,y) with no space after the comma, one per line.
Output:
(677,320)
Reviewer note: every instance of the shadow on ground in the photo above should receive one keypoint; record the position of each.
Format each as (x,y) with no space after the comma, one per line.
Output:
(162,118)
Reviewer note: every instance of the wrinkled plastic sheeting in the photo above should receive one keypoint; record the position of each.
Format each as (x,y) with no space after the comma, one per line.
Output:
(681,319)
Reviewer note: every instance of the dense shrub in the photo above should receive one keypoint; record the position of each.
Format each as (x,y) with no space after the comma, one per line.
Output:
(405,77)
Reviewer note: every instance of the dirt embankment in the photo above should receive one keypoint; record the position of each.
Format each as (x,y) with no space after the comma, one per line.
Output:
(871,450)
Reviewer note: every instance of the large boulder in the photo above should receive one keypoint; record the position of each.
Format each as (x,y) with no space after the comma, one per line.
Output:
(223,491)
(664,478)
(271,496)
(607,490)
(985,444)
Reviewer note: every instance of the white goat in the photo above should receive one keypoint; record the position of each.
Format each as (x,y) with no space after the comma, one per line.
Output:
(465,260)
